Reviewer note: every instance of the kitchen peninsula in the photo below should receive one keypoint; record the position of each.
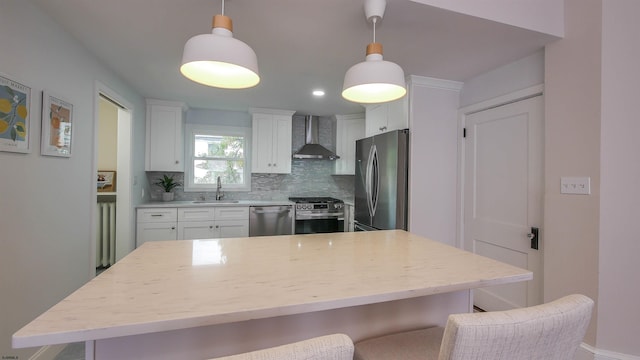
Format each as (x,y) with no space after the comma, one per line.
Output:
(203,298)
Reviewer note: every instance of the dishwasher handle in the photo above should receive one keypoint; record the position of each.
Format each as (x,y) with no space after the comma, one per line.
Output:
(259,210)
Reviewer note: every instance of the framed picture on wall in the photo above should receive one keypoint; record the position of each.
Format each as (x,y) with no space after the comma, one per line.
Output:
(15,108)
(57,126)
(106,181)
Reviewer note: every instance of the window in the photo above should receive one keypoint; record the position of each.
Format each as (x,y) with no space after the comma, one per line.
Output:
(217,151)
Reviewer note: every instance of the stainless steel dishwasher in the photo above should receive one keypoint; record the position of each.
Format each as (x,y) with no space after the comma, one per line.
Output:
(271,220)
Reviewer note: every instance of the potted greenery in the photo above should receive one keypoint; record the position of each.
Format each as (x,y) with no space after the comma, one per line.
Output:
(167,184)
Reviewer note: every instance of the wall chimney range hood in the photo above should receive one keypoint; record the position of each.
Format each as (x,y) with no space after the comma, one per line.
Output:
(311,149)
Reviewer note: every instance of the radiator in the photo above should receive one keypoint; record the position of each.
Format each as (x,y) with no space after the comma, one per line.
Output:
(106,234)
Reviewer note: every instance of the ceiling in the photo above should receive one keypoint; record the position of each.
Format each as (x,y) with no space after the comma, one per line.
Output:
(301,45)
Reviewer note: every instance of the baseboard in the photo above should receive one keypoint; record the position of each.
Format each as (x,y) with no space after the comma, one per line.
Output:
(588,352)
(47,352)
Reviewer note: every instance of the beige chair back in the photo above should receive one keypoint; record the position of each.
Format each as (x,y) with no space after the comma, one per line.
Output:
(551,331)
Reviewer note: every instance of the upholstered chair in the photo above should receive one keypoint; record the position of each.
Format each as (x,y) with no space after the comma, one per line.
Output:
(551,331)
(329,347)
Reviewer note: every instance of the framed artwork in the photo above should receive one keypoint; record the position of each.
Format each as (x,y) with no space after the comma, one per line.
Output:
(106,181)
(57,126)
(15,107)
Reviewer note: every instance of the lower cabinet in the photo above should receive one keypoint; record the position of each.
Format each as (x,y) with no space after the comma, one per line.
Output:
(191,223)
(156,224)
(191,230)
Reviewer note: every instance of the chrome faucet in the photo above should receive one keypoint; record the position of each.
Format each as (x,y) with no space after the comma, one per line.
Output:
(219,193)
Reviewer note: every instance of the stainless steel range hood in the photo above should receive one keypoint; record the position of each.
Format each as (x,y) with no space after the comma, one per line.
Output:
(311,149)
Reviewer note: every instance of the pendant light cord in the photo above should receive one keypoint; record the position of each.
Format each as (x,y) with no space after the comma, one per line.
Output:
(375,19)
(222,7)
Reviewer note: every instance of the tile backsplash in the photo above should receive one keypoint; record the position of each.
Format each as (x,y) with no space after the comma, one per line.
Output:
(307,178)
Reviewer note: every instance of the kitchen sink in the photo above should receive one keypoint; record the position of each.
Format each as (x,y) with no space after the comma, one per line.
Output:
(216,202)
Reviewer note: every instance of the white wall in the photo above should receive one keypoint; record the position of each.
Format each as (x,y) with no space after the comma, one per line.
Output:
(107,136)
(546,16)
(572,148)
(518,75)
(618,312)
(46,202)
(433,105)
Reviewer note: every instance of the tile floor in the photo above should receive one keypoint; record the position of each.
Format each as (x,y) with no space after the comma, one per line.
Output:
(73,351)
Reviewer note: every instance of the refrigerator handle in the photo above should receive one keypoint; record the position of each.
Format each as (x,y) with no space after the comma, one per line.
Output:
(372,180)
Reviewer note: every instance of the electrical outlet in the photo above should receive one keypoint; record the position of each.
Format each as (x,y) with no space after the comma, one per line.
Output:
(575,185)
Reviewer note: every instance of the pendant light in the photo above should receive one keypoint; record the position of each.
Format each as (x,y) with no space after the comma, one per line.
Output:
(220,60)
(374,80)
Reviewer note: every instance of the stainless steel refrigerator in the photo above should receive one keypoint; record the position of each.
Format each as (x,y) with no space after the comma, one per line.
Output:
(381,183)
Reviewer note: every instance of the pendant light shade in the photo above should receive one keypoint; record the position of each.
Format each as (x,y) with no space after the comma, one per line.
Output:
(220,60)
(374,80)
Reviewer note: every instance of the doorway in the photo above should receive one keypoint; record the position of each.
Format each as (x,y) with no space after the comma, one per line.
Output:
(502,194)
(112,220)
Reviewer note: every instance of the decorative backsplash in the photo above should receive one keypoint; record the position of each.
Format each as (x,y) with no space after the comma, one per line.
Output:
(307,178)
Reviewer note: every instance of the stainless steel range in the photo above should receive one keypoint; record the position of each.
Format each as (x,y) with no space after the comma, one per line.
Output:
(318,215)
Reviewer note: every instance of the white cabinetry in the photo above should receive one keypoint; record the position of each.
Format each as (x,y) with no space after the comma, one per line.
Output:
(271,150)
(389,116)
(165,136)
(196,223)
(349,129)
(190,223)
(232,221)
(156,224)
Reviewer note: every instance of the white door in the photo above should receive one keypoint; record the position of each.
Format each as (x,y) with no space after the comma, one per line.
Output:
(503,196)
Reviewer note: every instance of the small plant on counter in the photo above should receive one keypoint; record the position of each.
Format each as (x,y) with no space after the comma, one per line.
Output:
(167,183)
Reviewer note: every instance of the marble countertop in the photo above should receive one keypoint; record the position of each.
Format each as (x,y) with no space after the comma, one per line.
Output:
(210,203)
(169,285)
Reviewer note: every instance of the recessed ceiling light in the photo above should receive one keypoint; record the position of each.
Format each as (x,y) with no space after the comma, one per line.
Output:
(318,93)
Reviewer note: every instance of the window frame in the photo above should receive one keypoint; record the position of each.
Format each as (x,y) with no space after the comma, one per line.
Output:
(215,130)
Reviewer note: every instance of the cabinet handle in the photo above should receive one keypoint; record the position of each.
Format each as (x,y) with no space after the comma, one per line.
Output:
(210,226)
(383,128)
(177,162)
(217,226)
(269,164)
(173,228)
(274,165)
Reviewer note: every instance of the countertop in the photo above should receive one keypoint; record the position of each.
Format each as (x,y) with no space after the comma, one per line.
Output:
(169,285)
(211,203)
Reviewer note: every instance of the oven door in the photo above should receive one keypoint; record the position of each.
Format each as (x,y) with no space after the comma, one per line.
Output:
(308,222)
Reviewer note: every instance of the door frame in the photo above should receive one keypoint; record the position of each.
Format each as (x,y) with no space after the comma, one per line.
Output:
(124,182)
(515,96)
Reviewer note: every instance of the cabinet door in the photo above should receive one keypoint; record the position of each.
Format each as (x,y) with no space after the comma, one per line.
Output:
(381,118)
(271,143)
(282,145)
(232,228)
(164,142)
(348,131)
(262,143)
(155,231)
(191,230)
(398,114)
(376,119)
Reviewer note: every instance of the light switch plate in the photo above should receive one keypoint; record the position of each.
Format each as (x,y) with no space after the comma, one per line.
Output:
(575,185)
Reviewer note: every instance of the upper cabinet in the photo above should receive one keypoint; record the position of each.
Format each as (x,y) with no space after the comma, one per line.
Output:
(349,129)
(271,150)
(388,116)
(165,136)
